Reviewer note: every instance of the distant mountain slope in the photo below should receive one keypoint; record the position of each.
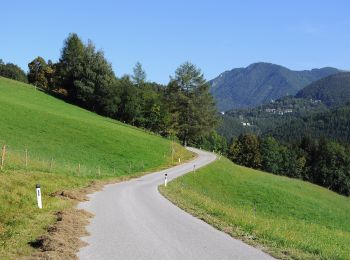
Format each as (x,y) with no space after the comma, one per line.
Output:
(333,90)
(333,124)
(259,83)
(267,117)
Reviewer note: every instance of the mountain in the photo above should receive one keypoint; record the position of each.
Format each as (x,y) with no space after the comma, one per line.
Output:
(333,90)
(260,83)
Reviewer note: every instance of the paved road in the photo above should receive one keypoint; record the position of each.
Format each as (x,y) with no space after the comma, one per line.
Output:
(133,221)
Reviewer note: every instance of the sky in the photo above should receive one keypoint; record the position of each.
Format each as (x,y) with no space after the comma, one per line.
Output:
(215,35)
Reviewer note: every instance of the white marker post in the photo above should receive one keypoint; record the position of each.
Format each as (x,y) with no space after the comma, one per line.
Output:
(166,179)
(194,168)
(38,196)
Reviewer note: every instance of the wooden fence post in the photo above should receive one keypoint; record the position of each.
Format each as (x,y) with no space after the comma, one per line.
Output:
(26,158)
(3,154)
(51,164)
(79,169)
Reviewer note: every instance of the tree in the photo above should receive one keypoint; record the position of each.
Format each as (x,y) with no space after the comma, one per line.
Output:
(271,155)
(246,151)
(70,64)
(139,76)
(332,167)
(214,142)
(292,165)
(12,71)
(88,77)
(130,105)
(153,115)
(38,71)
(195,107)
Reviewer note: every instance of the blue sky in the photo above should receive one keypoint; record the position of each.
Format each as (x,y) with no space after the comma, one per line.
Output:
(215,35)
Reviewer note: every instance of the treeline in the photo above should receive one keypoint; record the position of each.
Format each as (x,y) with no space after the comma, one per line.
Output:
(12,71)
(321,161)
(182,109)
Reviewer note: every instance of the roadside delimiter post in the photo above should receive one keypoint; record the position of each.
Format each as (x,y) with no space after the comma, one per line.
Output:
(38,196)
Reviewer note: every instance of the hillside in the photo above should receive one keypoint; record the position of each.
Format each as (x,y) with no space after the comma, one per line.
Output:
(333,90)
(288,218)
(333,124)
(267,117)
(67,149)
(260,83)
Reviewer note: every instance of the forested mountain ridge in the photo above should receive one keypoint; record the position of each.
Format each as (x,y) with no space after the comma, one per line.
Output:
(333,90)
(260,83)
(333,124)
(267,117)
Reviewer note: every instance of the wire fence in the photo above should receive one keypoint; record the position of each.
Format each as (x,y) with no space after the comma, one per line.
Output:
(29,161)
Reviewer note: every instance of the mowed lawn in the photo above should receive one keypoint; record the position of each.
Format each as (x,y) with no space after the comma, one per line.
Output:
(59,138)
(288,218)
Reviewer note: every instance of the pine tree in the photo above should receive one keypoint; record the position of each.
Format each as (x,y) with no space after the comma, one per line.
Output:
(193,103)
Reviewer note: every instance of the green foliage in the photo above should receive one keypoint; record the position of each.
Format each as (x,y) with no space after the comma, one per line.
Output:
(333,124)
(332,167)
(214,142)
(39,73)
(190,102)
(71,59)
(333,90)
(271,155)
(139,76)
(265,118)
(246,151)
(289,218)
(12,71)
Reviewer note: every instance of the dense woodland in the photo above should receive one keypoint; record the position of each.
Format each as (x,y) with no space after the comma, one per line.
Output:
(297,137)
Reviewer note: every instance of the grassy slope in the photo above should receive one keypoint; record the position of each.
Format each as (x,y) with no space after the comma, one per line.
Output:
(53,130)
(288,217)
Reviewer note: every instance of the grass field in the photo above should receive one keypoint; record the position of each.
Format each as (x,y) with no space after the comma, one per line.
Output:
(287,217)
(58,137)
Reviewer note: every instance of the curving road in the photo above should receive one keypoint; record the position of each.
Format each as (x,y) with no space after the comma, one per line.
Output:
(133,221)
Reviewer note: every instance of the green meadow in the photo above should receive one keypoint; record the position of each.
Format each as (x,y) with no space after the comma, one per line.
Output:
(62,147)
(288,218)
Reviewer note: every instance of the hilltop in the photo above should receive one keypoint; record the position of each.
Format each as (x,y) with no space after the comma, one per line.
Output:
(260,83)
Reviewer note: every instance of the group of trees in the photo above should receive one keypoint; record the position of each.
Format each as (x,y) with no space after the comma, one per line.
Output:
(184,108)
(12,71)
(322,162)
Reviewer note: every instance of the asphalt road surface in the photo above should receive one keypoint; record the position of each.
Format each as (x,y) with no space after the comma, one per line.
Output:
(134,221)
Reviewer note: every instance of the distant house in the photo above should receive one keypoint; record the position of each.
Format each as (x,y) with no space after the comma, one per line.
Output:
(222,113)
(246,124)
(270,110)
